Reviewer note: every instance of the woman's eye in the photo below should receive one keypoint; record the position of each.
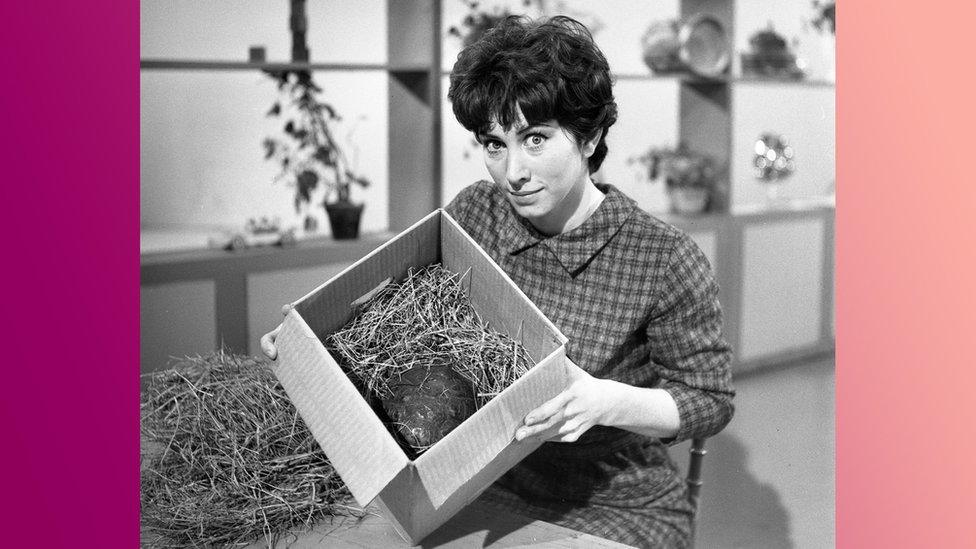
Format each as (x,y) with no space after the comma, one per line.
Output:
(536,140)
(493,146)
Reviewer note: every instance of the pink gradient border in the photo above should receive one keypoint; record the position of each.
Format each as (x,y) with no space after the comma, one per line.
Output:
(70,403)
(906,268)
(905,274)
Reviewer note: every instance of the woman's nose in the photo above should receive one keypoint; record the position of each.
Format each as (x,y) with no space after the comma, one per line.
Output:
(516,172)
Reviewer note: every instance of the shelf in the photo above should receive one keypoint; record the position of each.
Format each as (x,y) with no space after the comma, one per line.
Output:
(650,77)
(682,77)
(202,263)
(762,81)
(786,206)
(204,65)
(721,80)
(700,80)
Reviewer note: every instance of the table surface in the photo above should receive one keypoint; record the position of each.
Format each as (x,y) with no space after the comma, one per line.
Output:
(478,525)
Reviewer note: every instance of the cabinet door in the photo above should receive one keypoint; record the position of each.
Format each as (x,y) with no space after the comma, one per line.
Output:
(782,287)
(175,319)
(267,292)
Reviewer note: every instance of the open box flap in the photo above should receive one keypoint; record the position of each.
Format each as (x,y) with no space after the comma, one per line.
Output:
(357,443)
(473,445)
(352,436)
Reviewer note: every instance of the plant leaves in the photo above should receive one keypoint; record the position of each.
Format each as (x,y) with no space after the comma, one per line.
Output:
(324,155)
(275,110)
(307,181)
(269,148)
(361,181)
(290,127)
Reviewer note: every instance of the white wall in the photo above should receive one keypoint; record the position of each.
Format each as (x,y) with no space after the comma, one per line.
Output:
(202,163)
(339,31)
(201,156)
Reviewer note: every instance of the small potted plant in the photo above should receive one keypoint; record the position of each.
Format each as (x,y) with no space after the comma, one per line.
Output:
(825,16)
(309,154)
(824,22)
(477,22)
(688,176)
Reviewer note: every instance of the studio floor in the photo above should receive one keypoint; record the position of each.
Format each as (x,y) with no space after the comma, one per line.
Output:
(769,476)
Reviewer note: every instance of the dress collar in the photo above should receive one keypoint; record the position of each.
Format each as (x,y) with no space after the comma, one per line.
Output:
(574,249)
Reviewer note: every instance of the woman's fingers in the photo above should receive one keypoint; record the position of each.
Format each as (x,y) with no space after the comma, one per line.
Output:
(268,346)
(268,343)
(544,418)
(550,408)
(539,428)
(570,437)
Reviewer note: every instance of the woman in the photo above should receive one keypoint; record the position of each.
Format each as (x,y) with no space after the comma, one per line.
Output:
(634,296)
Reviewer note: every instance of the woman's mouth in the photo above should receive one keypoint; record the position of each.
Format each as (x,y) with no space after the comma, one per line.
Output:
(524,193)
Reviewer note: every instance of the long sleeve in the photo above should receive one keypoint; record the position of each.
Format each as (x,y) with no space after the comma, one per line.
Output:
(692,358)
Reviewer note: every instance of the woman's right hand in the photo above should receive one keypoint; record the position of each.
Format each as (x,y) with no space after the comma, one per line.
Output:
(268,346)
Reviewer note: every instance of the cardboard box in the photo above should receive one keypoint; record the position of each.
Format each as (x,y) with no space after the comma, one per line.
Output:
(418,495)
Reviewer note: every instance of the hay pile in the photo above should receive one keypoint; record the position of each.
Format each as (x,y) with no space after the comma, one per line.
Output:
(226,459)
(426,323)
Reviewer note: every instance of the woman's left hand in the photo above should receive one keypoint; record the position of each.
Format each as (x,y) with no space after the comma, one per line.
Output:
(564,418)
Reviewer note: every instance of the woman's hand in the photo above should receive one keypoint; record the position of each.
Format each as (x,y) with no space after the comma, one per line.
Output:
(590,401)
(564,418)
(268,340)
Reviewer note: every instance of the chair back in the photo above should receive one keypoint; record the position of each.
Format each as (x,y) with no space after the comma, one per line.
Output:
(694,480)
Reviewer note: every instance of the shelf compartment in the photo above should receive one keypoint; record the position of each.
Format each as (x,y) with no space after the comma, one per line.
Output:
(216,65)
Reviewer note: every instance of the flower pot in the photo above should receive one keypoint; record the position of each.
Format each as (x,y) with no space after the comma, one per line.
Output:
(344,219)
(688,200)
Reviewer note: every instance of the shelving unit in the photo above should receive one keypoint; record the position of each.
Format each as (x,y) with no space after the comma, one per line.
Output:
(414,93)
(705,104)
(209,65)
(413,31)
(235,294)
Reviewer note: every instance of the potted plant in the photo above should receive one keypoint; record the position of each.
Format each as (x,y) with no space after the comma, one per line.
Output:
(825,23)
(477,22)
(689,176)
(825,16)
(309,154)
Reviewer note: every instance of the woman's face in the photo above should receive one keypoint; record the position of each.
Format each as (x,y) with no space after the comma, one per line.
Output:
(541,169)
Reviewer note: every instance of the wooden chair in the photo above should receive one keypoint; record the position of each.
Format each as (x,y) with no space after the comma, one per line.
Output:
(693,480)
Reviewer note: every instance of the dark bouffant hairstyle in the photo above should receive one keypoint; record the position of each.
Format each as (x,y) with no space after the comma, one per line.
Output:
(551,69)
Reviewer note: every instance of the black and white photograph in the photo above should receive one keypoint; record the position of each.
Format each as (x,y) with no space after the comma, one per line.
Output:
(487,273)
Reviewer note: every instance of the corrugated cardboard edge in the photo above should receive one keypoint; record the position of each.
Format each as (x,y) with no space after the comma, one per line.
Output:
(402,235)
(420,518)
(475,443)
(335,412)
(419,502)
(358,445)
(446,218)
(482,437)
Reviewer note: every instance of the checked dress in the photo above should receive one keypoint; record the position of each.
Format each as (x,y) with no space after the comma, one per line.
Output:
(638,302)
